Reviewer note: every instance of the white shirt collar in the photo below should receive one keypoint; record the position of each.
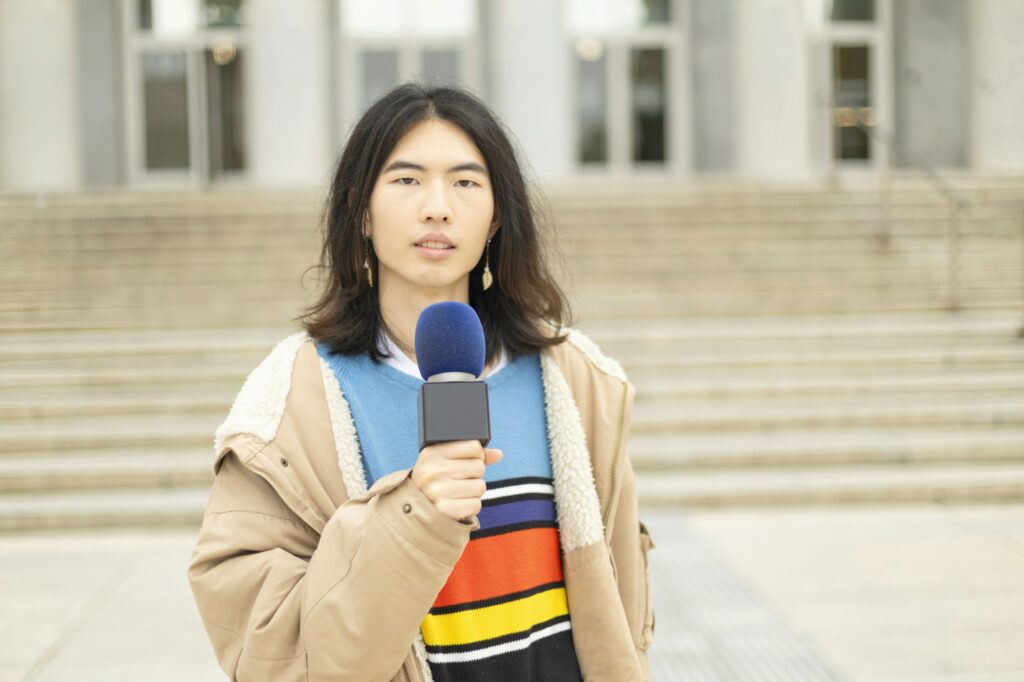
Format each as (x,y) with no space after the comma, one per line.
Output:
(400,361)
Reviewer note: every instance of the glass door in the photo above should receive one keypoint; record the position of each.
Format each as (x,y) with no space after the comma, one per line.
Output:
(387,42)
(857,79)
(166,140)
(852,105)
(224,111)
(629,85)
(185,97)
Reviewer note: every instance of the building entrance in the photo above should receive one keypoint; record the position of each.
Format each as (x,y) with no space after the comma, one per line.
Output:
(186,94)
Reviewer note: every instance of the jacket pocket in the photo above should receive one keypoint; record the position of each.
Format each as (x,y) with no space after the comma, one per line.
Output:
(646,544)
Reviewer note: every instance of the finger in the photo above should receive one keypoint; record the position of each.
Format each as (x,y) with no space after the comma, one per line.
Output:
(462,488)
(467,468)
(464,449)
(493,456)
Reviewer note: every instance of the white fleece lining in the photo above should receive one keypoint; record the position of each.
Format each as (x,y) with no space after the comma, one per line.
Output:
(259,406)
(579,510)
(591,350)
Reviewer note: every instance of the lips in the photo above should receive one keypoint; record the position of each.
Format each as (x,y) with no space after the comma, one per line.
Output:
(435,240)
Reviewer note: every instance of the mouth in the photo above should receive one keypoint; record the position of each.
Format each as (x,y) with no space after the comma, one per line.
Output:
(434,250)
(435,245)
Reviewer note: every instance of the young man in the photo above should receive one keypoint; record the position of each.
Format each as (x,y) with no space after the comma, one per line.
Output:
(331,549)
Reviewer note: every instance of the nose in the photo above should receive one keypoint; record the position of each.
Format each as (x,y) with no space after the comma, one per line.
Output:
(436,206)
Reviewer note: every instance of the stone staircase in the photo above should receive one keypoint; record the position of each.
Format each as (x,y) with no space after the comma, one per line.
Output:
(789,345)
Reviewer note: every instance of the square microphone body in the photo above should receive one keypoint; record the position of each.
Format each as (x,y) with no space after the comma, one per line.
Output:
(454,410)
(450,352)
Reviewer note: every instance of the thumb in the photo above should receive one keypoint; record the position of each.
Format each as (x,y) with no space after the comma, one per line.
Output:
(492,455)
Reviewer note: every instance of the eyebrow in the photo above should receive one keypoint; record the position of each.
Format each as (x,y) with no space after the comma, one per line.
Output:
(409,165)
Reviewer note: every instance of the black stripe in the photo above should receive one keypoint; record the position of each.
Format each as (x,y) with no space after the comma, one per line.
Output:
(492,485)
(500,599)
(483,644)
(517,498)
(551,658)
(510,528)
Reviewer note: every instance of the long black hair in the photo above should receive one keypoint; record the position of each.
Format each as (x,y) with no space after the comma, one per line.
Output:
(523,308)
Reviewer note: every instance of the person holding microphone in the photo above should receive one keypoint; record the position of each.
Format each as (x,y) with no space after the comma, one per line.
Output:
(334,546)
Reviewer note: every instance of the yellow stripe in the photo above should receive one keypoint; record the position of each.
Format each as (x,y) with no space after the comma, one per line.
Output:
(474,625)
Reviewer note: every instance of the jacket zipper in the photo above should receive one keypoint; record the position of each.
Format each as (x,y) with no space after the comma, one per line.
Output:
(615,458)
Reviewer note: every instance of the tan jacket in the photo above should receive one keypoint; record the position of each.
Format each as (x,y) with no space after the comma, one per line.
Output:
(300,573)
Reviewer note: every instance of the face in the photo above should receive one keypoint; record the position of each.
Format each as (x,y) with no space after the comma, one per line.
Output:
(434,182)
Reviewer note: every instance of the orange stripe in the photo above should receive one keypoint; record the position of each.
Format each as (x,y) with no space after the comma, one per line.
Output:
(502,564)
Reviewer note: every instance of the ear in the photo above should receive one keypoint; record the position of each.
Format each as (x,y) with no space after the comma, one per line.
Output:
(495,226)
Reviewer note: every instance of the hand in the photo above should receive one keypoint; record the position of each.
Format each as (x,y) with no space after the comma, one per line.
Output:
(451,474)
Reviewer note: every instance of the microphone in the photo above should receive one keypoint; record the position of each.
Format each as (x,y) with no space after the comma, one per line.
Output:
(450,352)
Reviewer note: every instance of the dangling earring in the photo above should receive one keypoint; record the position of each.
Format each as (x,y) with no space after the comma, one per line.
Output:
(487,278)
(366,264)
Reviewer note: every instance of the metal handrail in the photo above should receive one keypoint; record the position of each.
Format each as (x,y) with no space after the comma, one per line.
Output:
(940,183)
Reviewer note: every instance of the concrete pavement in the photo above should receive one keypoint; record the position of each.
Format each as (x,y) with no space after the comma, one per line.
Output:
(863,594)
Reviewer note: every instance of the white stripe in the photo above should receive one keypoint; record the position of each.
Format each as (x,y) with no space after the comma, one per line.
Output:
(519,490)
(518,645)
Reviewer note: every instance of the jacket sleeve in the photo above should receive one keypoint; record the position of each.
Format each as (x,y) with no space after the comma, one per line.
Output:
(280,604)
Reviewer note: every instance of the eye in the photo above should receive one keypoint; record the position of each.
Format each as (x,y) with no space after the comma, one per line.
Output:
(470,181)
(399,180)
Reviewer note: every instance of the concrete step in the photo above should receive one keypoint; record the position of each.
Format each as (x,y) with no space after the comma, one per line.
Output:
(710,259)
(873,361)
(641,335)
(825,447)
(163,467)
(31,407)
(179,507)
(659,387)
(698,371)
(135,343)
(913,327)
(151,468)
(604,302)
(15,382)
(654,413)
(623,305)
(769,416)
(798,486)
(72,296)
(915,483)
(98,433)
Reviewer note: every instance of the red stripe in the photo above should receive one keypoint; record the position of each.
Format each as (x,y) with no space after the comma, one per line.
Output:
(501,564)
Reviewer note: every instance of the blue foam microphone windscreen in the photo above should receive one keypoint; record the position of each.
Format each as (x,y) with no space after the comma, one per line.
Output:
(449,338)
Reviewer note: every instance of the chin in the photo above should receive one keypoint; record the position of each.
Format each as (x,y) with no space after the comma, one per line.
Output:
(432,280)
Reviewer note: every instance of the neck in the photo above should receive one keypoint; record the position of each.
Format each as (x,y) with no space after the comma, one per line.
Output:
(401,307)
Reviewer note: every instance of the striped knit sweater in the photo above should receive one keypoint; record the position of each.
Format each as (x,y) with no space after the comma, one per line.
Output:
(502,615)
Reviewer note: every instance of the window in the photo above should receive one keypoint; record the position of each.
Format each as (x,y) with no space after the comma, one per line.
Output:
(181,17)
(387,42)
(622,53)
(852,10)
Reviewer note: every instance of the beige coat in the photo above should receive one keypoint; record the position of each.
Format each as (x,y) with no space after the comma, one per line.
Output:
(300,573)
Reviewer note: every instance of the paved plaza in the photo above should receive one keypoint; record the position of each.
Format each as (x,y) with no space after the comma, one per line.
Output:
(858,594)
